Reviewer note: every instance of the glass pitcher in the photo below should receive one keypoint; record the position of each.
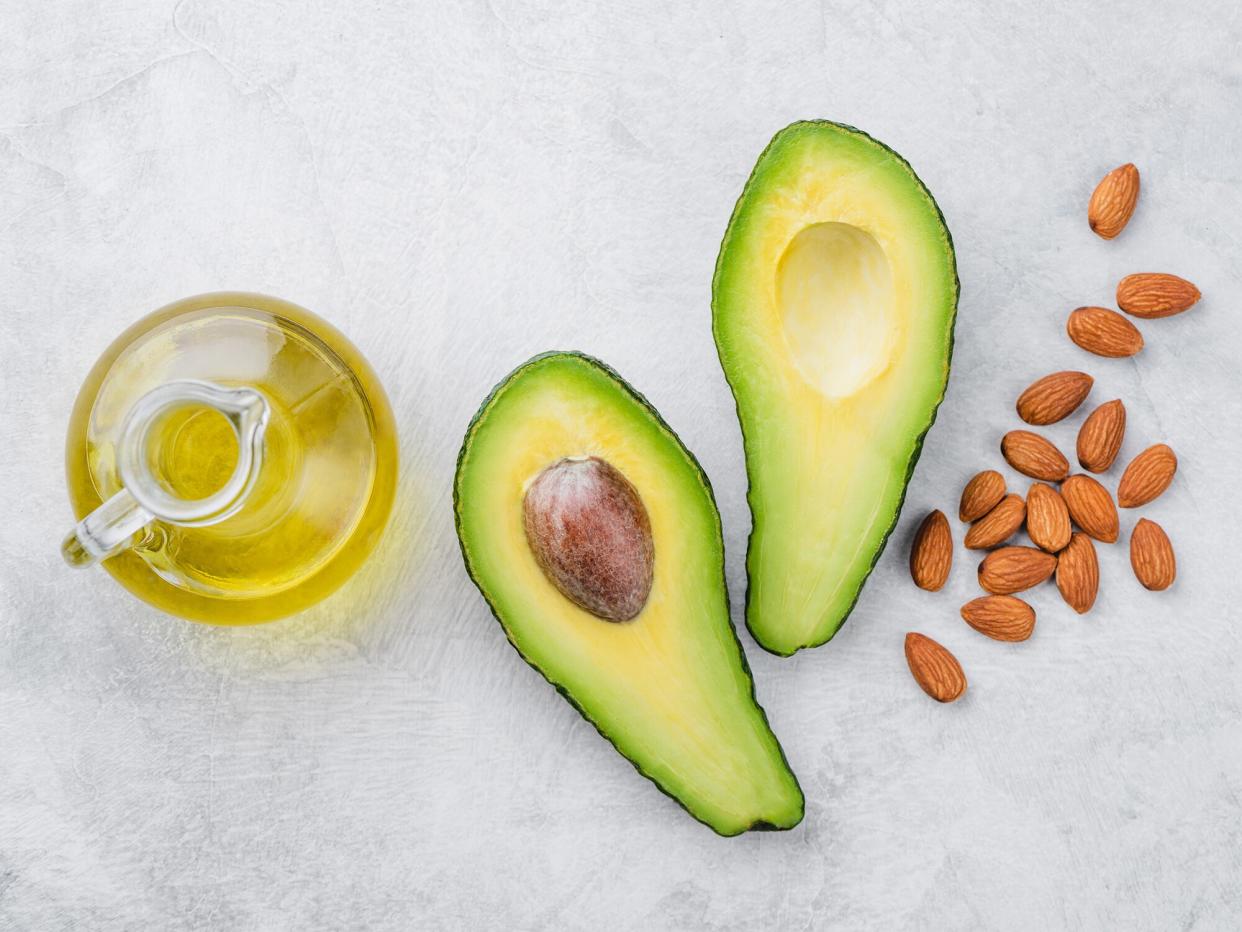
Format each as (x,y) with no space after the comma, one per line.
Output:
(231,459)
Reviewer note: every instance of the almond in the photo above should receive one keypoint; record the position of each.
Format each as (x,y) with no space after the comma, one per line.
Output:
(981,495)
(998,525)
(1147,476)
(1091,507)
(1155,294)
(1000,617)
(1151,555)
(1103,332)
(1053,397)
(932,553)
(1078,573)
(1047,518)
(934,668)
(1099,438)
(1032,455)
(1112,201)
(1012,569)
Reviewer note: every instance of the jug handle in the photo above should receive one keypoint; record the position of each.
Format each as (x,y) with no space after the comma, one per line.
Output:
(116,524)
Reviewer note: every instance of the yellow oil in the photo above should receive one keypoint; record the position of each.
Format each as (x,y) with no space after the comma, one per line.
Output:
(193,451)
(329,461)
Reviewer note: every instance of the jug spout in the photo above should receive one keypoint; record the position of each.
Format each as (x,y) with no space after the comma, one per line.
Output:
(116,525)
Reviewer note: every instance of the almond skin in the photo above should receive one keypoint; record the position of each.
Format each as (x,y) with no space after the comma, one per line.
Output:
(1103,332)
(1099,438)
(931,556)
(1034,456)
(1054,397)
(1151,556)
(1154,294)
(1047,518)
(1112,201)
(934,668)
(1147,476)
(1078,574)
(981,495)
(1000,617)
(1091,507)
(1012,569)
(998,525)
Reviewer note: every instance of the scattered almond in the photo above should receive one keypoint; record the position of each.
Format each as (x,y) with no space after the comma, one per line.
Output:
(1099,438)
(1078,573)
(1103,332)
(1091,507)
(1012,569)
(1000,617)
(934,668)
(932,553)
(1047,518)
(1034,456)
(1112,201)
(1155,294)
(981,495)
(998,525)
(1053,397)
(1147,476)
(1151,555)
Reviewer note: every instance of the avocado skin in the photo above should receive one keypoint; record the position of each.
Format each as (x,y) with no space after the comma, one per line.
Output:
(702,476)
(918,444)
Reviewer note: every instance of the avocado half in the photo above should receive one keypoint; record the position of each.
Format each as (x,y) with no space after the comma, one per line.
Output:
(669,686)
(833,306)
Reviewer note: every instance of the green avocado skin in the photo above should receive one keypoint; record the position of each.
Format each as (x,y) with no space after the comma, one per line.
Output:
(755,179)
(702,477)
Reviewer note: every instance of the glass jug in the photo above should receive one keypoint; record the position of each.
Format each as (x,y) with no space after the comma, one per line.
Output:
(231,458)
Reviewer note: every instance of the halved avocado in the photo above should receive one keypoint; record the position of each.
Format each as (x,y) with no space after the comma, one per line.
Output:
(658,670)
(832,307)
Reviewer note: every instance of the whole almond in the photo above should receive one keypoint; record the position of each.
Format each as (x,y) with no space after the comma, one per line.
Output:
(1112,201)
(1012,569)
(1147,476)
(1155,294)
(1053,397)
(1034,456)
(1091,507)
(1000,617)
(1103,332)
(1047,518)
(1099,438)
(1078,573)
(981,495)
(1151,555)
(998,525)
(934,668)
(932,553)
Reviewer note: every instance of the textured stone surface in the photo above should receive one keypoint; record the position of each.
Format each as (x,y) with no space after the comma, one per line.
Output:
(459,186)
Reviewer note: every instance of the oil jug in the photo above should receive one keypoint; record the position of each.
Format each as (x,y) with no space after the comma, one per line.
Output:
(231,459)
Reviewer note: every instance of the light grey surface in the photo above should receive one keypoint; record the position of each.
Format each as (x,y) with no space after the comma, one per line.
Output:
(459,186)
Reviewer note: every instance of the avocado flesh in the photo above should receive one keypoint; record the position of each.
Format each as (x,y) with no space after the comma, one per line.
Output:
(670,688)
(832,308)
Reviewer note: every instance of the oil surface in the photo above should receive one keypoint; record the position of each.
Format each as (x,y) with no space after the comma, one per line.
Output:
(328,470)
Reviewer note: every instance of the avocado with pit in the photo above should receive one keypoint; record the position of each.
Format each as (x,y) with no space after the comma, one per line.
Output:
(593,534)
(833,306)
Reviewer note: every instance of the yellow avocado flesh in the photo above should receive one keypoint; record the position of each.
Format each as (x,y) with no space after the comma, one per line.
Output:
(670,687)
(833,308)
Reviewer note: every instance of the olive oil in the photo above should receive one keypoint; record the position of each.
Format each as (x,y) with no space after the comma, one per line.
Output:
(323,479)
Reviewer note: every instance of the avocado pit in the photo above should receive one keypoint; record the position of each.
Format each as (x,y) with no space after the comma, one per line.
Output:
(590,534)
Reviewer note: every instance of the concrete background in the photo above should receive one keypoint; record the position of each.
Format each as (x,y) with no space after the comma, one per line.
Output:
(459,186)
